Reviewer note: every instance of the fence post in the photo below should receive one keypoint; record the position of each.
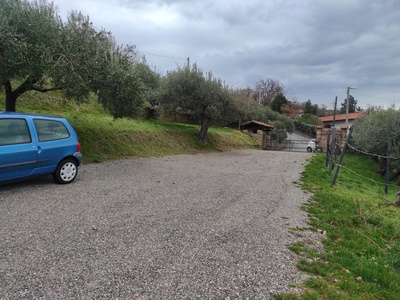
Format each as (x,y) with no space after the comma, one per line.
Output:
(332,150)
(342,155)
(328,139)
(389,153)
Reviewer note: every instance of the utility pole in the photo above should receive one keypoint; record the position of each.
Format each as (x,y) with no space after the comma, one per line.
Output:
(334,113)
(347,104)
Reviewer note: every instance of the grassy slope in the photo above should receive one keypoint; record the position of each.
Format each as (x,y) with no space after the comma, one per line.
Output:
(103,138)
(361,227)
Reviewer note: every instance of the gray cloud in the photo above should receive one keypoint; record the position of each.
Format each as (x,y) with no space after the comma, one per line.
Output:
(315,48)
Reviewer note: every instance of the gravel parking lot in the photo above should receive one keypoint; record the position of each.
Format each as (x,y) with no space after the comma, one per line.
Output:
(206,226)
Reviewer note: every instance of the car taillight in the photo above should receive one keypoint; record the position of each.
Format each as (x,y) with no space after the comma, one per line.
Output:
(78,149)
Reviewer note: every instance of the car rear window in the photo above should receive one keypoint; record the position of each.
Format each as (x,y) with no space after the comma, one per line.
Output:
(14,131)
(50,130)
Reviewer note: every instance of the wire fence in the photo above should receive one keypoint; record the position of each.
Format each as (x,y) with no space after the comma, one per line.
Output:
(375,212)
(333,148)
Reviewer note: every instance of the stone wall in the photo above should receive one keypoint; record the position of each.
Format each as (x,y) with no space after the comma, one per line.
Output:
(266,139)
(322,136)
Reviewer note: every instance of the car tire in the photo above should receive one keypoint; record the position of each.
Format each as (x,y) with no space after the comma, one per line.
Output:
(66,171)
(309,149)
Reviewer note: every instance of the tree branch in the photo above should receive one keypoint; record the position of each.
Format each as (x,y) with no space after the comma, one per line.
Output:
(27,85)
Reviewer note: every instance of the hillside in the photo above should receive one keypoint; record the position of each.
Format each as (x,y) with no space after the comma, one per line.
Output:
(103,138)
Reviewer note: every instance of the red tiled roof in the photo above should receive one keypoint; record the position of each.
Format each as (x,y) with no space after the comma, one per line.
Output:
(342,117)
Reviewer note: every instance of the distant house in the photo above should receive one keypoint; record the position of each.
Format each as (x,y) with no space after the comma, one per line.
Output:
(299,113)
(340,120)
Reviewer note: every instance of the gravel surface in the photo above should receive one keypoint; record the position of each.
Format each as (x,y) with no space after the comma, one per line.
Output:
(206,226)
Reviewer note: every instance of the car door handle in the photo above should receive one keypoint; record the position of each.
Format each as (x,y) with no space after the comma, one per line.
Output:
(39,149)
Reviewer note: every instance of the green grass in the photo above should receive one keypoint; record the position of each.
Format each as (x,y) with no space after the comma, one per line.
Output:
(103,138)
(361,256)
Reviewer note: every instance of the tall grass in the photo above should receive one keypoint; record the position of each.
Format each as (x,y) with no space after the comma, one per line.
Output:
(361,230)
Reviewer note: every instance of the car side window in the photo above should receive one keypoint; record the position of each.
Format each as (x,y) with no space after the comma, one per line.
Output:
(14,131)
(50,130)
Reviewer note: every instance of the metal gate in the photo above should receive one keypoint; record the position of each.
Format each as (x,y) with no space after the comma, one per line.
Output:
(288,145)
(296,145)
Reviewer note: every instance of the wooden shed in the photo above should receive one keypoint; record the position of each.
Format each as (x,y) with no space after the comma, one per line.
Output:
(254,126)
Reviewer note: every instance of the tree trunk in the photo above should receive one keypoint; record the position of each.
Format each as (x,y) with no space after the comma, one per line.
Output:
(10,98)
(203,129)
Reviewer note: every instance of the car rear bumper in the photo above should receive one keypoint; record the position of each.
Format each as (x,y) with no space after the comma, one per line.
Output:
(78,156)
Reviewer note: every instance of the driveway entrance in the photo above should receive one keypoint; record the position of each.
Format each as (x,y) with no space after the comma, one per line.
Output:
(206,226)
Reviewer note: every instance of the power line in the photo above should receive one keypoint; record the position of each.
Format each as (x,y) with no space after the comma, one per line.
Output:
(376,97)
(159,55)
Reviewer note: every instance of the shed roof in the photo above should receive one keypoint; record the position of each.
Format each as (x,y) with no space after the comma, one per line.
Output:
(256,125)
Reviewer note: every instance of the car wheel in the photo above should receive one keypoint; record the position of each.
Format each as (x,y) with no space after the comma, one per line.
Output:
(66,171)
(309,149)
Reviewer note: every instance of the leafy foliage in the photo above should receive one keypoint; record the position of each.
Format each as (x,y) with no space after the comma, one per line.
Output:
(29,36)
(152,85)
(310,119)
(279,133)
(123,93)
(279,101)
(372,131)
(42,53)
(188,90)
(305,128)
(309,108)
(371,134)
(352,105)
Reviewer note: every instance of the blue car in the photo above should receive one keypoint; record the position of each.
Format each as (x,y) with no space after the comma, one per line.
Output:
(36,145)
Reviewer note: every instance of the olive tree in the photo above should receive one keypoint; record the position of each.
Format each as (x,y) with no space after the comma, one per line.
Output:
(243,106)
(371,133)
(152,89)
(39,52)
(123,93)
(188,90)
(29,39)
(279,133)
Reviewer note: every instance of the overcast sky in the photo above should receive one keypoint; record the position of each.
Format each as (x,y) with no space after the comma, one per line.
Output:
(316,48)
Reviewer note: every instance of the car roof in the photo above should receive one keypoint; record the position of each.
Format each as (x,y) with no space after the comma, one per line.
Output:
(20,114)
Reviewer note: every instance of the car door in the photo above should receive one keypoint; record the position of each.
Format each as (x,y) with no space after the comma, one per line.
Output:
(18,153)
(53,141)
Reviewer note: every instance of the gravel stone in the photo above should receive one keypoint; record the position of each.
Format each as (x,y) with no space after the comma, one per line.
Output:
(205,226)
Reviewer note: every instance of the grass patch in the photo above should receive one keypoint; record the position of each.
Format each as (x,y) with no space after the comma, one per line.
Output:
(361,257)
